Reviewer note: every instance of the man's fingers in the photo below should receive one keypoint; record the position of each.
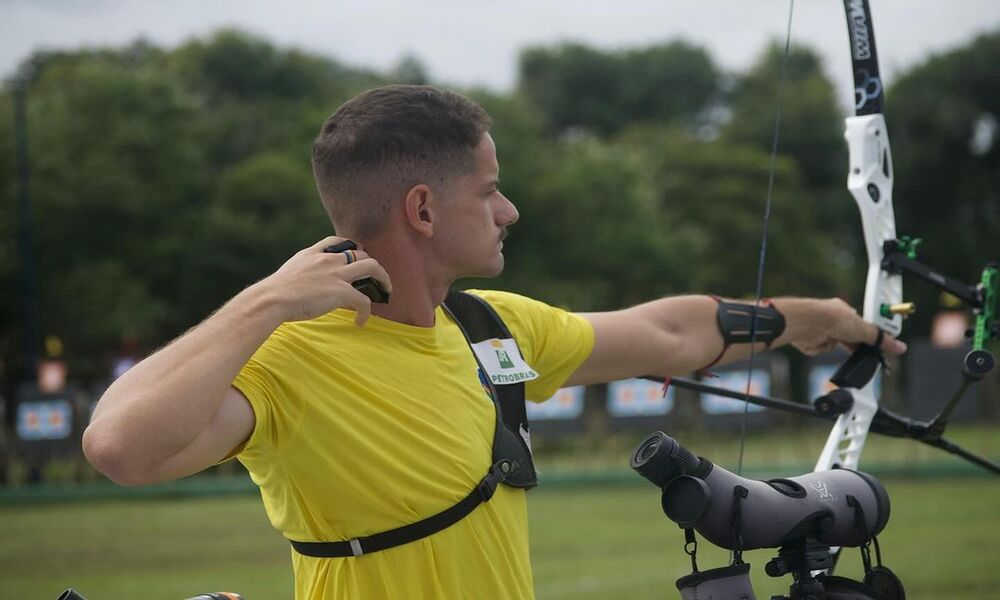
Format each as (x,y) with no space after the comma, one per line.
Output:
(351,256)
(891,345)
(827,345)
(362,306)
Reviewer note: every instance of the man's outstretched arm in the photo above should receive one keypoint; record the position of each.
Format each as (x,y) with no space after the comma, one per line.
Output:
(680,334)
(176,412)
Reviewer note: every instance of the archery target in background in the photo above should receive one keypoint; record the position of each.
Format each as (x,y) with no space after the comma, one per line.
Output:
(820,384)
(639,398)
(565,404)
(735,380)
(44,420)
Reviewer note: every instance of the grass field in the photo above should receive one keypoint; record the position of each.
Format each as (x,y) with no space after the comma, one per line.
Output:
(587,542)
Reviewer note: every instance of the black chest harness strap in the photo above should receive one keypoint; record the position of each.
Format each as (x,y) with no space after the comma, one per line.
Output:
(511,459)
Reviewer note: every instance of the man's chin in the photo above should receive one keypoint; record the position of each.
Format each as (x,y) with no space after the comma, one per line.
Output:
(490,271)
(499,266)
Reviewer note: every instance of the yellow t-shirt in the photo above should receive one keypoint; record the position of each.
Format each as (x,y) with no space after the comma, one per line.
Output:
(363,429)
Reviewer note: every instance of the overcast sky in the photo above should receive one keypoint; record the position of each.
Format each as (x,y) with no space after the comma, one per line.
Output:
(476,42)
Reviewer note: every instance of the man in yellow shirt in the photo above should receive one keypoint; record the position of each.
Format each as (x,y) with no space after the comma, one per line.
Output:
(355,417)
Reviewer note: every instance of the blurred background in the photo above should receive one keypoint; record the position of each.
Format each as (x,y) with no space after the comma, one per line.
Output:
(154,160)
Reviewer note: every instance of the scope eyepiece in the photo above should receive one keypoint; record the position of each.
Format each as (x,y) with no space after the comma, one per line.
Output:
(659,458)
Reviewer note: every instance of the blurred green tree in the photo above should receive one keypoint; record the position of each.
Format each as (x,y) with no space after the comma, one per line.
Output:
(114,157)
(166,180)
(163,182)
(578,87)
(944,124)
(811,127)
(712,195)
(255,98)
(811,135)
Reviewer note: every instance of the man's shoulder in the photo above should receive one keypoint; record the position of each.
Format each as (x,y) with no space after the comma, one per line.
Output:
(293,336)
(524,313)
(502,300)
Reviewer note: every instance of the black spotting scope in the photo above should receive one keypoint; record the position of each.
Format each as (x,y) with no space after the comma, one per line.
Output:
(837,508)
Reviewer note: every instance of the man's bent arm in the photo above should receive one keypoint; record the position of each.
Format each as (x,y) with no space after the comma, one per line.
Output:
(680,334)
(160,407)
(176,412)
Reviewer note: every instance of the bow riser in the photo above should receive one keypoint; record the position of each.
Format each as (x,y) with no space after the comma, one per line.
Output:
(870,182)
(847,438)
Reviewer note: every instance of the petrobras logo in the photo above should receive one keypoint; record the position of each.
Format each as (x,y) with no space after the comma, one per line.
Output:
(857,20)
(503,357)
(502,361)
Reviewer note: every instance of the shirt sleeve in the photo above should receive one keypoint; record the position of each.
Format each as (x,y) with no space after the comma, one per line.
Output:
(263,381)
(256,384)
(554,342)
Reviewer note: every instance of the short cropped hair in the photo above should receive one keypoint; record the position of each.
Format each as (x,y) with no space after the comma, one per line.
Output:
(381,143)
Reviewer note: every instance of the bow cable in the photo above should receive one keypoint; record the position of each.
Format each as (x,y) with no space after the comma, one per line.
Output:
(763,241)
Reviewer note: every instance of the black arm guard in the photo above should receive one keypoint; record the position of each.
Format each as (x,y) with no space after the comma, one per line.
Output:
(736,322)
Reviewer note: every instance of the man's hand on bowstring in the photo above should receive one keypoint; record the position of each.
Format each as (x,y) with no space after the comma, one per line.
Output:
(843,325)
(312,283)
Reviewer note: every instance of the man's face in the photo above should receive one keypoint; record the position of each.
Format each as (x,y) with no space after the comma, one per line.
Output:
(474,216)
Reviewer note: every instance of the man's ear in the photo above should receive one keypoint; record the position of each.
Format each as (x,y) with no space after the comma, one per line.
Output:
(419,206)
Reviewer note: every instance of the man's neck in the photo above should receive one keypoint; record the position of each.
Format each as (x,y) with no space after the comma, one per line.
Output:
(416,290)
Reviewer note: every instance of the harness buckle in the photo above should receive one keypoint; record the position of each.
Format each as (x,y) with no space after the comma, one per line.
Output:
(487,487)
(497,475)
(503,469)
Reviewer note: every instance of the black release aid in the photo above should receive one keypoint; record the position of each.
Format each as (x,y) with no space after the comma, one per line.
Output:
(368,285)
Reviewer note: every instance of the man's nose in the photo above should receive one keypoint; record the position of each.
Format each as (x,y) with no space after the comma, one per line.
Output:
(508,214)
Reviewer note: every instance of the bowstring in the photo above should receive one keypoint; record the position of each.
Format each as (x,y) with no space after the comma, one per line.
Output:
(763,240)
